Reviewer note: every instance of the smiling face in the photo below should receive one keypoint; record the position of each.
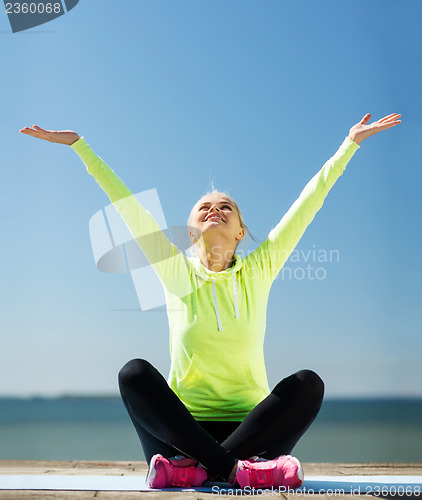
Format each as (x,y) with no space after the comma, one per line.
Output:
(217,212)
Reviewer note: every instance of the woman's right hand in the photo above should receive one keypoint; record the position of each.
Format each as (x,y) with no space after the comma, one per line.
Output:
(61,136)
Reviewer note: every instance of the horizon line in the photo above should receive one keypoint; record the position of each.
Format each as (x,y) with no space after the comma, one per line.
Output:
(351,397)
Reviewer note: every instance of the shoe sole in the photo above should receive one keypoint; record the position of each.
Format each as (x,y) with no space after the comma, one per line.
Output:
(152,470)
(300,473)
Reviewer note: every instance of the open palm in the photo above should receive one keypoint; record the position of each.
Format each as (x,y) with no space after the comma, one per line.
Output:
(61,136)
(362,130)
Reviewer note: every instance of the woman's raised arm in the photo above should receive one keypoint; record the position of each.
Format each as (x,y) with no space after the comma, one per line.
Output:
(167,260)
(282,240)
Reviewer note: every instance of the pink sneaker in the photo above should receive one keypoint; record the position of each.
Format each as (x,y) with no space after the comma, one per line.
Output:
(282,471)
(176,471)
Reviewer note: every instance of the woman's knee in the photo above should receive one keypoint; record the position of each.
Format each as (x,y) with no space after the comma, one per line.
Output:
(134,371)
(312,381)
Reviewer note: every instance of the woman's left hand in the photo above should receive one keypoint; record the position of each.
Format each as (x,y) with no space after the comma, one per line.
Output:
(361,130)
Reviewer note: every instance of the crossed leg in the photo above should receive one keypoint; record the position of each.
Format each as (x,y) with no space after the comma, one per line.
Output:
(165,426)
(277,423)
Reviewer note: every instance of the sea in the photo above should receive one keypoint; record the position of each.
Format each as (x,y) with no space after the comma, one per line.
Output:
(98,428)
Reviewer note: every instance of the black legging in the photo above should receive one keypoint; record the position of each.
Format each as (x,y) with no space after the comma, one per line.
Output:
(165,426)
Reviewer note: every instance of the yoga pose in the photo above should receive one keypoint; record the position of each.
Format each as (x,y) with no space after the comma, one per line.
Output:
(215,416)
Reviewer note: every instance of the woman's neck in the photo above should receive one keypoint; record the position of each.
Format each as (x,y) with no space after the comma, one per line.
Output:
(215,257)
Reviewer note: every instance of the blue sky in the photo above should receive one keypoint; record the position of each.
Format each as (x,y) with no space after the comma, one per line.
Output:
(255,95)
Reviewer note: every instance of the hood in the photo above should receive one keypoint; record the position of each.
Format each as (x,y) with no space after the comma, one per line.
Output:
(206,274)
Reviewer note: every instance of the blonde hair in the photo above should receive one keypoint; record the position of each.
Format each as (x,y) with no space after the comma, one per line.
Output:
(236,206)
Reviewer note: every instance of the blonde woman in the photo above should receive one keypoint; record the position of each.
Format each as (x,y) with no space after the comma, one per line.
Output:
(215,416)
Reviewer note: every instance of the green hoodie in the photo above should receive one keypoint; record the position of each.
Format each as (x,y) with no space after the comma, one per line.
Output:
(217,320)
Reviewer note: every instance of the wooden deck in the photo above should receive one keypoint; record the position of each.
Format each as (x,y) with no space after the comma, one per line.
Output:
(140,468)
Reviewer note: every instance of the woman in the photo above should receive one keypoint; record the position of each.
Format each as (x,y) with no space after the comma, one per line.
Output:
(215,416)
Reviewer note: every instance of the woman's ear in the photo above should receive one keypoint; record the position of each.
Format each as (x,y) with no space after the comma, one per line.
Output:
(194,234)
(241,234)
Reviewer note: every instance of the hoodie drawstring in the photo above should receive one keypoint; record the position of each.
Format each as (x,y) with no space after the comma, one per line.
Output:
(236,302)
(236,305)
(217,311)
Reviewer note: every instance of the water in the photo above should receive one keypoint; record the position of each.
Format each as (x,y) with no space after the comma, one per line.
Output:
(100,429)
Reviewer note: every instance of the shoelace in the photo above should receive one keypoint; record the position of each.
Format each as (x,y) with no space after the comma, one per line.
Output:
(261,478)
(183,476)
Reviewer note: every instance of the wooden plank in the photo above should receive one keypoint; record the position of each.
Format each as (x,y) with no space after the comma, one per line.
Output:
(118,468)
